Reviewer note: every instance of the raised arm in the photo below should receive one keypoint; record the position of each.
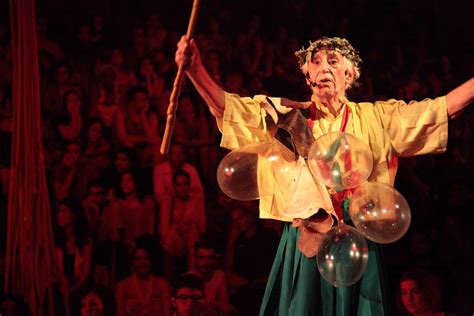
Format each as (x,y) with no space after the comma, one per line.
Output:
(460,97)
(212,93)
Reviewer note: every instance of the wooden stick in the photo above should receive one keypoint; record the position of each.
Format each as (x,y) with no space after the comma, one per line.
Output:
(173,105)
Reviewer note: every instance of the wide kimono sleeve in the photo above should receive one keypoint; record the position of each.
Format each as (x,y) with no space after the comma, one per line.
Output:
(415,128)
(245,121)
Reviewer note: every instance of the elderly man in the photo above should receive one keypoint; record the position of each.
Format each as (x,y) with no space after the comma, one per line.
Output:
(390,128)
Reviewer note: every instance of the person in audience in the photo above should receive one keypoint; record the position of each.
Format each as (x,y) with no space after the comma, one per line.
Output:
(70,121)
(52,98)
(143,293)
(94,300)
(182,223)
(137,126)
(148,77)
(248,258)
(73,248)
(64,174)
(96,146)
(92,305)
(93,204)
(188,293)
(192,129)
(106,98)
(125,78)
(420,293)
(216,292)
(163,174)
(123,158)
(135,211)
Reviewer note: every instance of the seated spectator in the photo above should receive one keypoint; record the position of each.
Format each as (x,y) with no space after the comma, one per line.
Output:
(93,205)
(216,292)
(96,147)
(123,159)
(70,121)
(148,77)
(420,293)
(125,77)
(136,212)
(156,33)
(64,174)
(182,223)
(139,46)
(92,305)
(73,247)
(111,260)
(248,259)
(212,63)
(258,60)
(94,301)
(72,173)
(142,293)
(192,129)
(188,293)
(53,93)
(106,97)
(163,174)
(233,82)
(137,126)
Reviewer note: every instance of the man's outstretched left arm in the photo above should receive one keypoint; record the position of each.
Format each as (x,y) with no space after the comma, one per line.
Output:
(460,97)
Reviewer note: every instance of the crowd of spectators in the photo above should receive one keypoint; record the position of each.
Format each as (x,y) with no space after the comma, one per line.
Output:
(138,233)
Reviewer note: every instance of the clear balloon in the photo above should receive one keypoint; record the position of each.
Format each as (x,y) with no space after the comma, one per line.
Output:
(340,160)
(342,256)
(379,212)
(253,171)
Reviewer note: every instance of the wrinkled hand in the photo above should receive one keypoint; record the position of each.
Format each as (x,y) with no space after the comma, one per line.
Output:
(187,54)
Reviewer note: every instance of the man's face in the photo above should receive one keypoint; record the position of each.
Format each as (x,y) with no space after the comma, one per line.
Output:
(177,156)
(140,101)
(181,186)
(187,302)
(128,184)
(242,221)
(122,162)
(141,262)
(205,260)
(91,305)
(72,155)
(328,71)
(96,195)
(412,297)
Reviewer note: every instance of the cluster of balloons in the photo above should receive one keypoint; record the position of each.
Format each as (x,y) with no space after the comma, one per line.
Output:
(342,162)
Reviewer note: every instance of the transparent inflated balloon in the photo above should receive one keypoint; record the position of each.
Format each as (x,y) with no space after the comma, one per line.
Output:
(379,212)
(253,171)
(340,160)
(342,256)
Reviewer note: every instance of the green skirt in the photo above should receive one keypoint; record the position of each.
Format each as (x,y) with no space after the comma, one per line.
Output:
(295,287)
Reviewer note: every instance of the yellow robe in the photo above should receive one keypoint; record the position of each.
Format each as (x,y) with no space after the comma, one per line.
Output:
(390,128)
